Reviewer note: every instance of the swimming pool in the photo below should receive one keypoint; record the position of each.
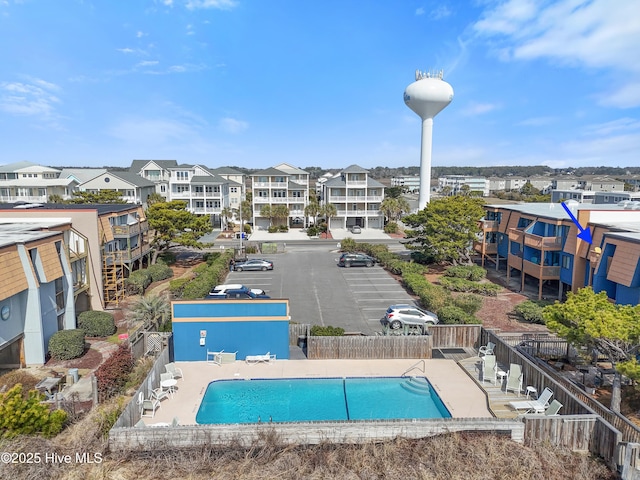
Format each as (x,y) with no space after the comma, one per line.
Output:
(318,399)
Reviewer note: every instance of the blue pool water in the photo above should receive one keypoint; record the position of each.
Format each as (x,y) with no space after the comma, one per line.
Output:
(302,399)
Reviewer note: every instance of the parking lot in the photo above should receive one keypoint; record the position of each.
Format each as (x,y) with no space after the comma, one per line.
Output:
(321,293)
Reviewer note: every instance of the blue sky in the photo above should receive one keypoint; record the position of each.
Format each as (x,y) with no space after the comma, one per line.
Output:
(254,83)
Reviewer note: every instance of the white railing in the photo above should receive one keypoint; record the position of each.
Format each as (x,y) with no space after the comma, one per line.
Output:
(270,184)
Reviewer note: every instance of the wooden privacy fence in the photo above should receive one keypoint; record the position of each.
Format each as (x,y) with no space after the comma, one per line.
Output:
(455,336)
(131,414)
(298,330)
(363,347)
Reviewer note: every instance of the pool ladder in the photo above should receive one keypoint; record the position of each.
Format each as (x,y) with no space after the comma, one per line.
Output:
(415,366)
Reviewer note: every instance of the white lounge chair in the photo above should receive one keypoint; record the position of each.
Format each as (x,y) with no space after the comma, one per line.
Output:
(146,405)
(173,370)
(489,368)
(159,393)
(266,358)
(535,406)
(486,349)
(214,357)
(514,379)
(553,408)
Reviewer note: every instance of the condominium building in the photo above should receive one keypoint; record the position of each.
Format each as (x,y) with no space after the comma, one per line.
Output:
(130,187)
(156,171)
(357,198)
(284,185)
(411,183)
(204,192)
(105,243)
(539,242)
(36,290)
(454,184)
(29,182)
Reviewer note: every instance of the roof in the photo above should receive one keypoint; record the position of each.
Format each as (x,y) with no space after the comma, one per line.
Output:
(137,165)
(12,233)
(269,171)
(12,167)
(82,174)
(129,177)
(207,179)
(555,210)
(355,169)
(101,208)
(226,171)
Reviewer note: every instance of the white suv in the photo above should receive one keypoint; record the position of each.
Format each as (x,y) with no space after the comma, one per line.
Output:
(221,290)
(398,316)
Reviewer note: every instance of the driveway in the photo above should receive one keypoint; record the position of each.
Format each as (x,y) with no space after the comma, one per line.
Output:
(321,293)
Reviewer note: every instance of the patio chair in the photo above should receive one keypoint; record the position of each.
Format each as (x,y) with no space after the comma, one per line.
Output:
(553,409)
(486,349)
(535,406)
(173,370)
(489,368)
(266,358)
(159,394)
(514,379)
(146,405)
(214,357)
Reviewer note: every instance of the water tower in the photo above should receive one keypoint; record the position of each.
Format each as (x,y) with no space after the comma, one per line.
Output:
(427,96)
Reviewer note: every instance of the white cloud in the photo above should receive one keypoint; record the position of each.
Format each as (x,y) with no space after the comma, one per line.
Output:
(218,4)
(36,98)
(190,30)
(140,34)
(577,33)
(537,122)
(147,63)
(177,68)
(420,11)
(231,125)
(475,108)
(440,12)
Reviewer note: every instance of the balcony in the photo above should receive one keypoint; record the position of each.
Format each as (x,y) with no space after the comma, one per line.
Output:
(357,213)
(542,243)
(485,248)
(516,235)
(128,231)
(270,185)
(488,225)
(515,260)
(541,272)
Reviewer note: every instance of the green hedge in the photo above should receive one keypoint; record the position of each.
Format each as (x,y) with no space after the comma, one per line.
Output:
(176,287)
(160,271)
(138,282)
(467,272)
(531,310)
(391,227)
(469,302)
(461,285)
(326,331)
(207,277)
(451,314)
(348,245)
(67,344)
(96,324)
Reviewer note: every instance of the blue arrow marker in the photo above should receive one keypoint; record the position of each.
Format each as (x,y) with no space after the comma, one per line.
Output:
(585,233)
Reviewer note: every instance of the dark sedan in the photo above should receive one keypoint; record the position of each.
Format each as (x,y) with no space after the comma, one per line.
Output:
(356,260)
(254,264)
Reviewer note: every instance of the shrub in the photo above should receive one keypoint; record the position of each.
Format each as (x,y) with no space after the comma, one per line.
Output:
(283,228)
(168,258)
(326,331)
(469,302)
(467,272)
(114,372)
(176,287)
(421,257)
(531,310)
(391,227)
(137,282)
(97,324)
(432,297)
(456,284)
(20,415)
(210,257)
(313,231)
(272,229)
(348,245)
(451,314)
(159,272)
(20,376)
(67,344)
(247,228)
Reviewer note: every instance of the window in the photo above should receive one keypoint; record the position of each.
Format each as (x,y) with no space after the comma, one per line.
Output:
(163,188)
(566,262)
(199,204)
(234,189)
(182,176)
(59,293)
(199,189)
(181,188)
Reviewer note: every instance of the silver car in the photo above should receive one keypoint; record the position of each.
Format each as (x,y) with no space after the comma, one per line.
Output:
(398,316)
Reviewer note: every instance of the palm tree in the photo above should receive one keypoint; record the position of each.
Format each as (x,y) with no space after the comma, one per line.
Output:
(312,210)
(328,210)
(152,310)
(280,212)
(266,211)
(225,213)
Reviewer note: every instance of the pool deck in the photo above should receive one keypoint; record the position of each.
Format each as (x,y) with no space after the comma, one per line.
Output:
(456,387)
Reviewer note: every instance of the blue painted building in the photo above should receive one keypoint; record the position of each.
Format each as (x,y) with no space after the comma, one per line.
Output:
(248,327)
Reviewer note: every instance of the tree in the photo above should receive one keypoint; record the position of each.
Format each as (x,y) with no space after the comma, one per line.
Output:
(152,310)
(173,225)
(445,228)
(590,320)
(266,212)
(155,197)
(328,210)
(393,192)
(55,198)
(226,212)
(280,213)
(103,196)
(393,208)
(312,210)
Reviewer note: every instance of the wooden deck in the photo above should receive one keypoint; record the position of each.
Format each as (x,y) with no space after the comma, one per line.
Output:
(497,399)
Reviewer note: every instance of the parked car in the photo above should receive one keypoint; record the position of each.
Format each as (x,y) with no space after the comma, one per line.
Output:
(242,294)
(356,260)
(254,264)
(356,229)
(220,291)
(397,316)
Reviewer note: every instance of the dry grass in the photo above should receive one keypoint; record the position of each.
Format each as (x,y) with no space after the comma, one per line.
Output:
(455,456)
(12,378)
